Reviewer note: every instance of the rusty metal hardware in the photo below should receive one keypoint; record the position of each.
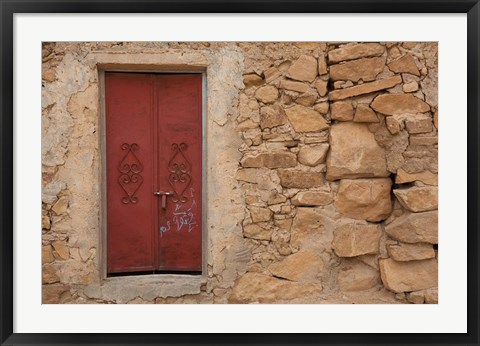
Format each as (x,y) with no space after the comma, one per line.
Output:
(164,195)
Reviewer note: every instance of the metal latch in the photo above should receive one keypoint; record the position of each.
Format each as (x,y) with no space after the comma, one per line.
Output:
(164,195)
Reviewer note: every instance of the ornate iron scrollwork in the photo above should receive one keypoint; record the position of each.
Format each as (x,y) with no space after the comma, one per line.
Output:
(180,176)
(130,168)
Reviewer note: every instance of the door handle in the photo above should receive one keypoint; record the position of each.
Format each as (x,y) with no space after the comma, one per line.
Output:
(164,195)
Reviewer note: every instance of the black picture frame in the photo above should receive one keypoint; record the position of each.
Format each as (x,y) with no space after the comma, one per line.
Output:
(9,7)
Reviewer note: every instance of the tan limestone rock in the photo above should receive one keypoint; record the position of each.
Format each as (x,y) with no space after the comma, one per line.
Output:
(418,198)
(300,179)
(61,206)
(272,159)
(435,119)
(322,107)
(48,75)
(61,249)
(260,214)
(342,111)
(358,277)
(294,86)
(391,104)
(406,64)
(394,125)
(304,119)
(423,140)
(410,252)
(365,199)
(313,155)
(364,114)
(47,254)
(322,65)
(431,295)
(55,294)
(415,228)
(409,276)
(271,74)
(267,94)
(307,99)
(272,116)
(252,79)
(365,88)
(356,155)
(254,231)
(303,266)
(356,51)
(312,198)
(410,87)
(416,297)
(259,288)
(365,69)
(304,69)
(354,240)
(49,274)
(419,124)
(425,177)
(45,221)
(312,228)
(321,86)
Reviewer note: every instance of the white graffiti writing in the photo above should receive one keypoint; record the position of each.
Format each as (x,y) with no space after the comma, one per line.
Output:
(182,218)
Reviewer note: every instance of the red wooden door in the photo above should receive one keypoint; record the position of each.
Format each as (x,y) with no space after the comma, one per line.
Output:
(154,172)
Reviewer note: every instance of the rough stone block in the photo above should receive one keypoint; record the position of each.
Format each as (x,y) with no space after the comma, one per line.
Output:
(267,94)
(294,86)
(415,228)
(419,124)
(260,214)
(391,104)
(354,240)
(279,159)
(364,114)
(300,179)
(410,252)
(365,69)
(303,69)
(312,228)
(342,111)
(365,88)
(313,155)
(303,266)
(418,199)
(406,64)
(356,51)
(272,116)
(409,276)
(259,288)
(304,119)
(312,198)
(425,177)
(358,277)
(354,153)
(364,199)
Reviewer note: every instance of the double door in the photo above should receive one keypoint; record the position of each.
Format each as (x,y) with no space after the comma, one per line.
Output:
(153,142)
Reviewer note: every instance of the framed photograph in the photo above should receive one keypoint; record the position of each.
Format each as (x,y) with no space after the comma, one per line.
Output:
(239,172)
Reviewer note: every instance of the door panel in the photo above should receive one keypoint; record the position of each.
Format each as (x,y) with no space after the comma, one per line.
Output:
(180,168)
(153,147)
(129,144)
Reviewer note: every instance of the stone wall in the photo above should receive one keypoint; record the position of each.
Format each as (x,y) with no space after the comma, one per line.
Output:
(326,154)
